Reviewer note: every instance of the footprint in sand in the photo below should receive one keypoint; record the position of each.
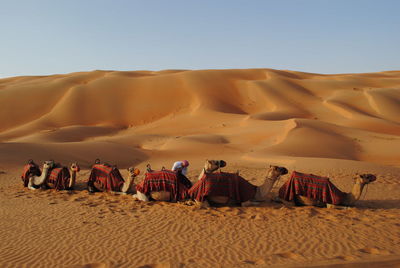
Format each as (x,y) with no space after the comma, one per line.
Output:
(79,199)
(374,250)
(255,262)
(92,265)
(289,255)
(346,258)
(331,218)
(254,217)
(163,265)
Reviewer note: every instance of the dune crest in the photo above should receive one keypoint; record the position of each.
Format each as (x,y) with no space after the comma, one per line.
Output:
(216,109)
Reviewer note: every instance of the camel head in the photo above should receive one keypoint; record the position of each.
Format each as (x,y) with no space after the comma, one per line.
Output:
(212,165)
(74,167)
(365,179)
(30,162)
(48,164)
(276,171)
(33,164)
(133,171)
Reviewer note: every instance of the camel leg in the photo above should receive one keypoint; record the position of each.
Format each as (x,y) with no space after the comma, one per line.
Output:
(203,204)
(30,184)
(246,204)
(286,203)
(336,206)
(141,196)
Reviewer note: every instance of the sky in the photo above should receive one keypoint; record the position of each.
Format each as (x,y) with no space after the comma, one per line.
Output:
(43,37)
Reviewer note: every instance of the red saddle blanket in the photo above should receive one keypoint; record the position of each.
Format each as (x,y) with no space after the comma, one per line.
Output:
(223,184)
(30,169)
(165,180)
(59,177)
(108,177)
(312,186)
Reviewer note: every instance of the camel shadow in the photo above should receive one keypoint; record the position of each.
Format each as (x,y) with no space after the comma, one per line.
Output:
(376,204)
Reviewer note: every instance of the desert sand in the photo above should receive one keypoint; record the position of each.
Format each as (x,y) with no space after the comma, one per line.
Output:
(330,125)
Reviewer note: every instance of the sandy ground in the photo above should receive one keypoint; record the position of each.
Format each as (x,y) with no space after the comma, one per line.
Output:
(330,125)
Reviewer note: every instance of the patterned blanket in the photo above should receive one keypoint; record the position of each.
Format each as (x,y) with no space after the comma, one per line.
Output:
(109,178)
(30,169)
(165,180)
(311,186)
(223,184)
(59,176)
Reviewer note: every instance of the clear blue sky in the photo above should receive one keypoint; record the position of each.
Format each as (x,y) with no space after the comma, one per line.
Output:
(40,37)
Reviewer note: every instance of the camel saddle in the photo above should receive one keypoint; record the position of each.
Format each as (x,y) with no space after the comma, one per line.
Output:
(29,170)
(59,176)
(107,176)
(223,184)
(311,186)
(165,180)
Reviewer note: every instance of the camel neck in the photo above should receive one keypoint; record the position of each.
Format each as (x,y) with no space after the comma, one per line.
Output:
(127,184)
(203,171)
(264,189)
(201,174)
(73,179)
(355,193)
(43,177)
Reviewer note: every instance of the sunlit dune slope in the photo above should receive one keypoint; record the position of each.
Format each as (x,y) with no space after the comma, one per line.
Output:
(245,115)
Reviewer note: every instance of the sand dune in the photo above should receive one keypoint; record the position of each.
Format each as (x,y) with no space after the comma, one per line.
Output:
(107,105)
(332,125)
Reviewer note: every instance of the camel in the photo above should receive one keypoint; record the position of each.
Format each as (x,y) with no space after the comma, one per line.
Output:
(30,169)
(107,178)
(36,181)
(214,188)
(60,178)
(317,195)
(209,167)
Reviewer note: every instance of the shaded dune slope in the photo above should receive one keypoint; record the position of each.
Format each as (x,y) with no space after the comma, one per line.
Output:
(245,114)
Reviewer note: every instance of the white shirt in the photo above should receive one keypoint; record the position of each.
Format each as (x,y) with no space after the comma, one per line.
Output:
(179,165)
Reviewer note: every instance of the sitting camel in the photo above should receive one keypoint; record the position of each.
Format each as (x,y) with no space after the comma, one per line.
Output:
(60,178)
(34,181)
(174,186)
(230,188)
(56,177)
(313,190)
(107,178)
(30,169)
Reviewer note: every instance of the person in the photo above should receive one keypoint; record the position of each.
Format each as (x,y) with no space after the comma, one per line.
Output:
(182,166)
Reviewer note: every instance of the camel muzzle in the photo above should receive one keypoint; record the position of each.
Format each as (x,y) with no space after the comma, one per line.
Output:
(221,163)
(283,170)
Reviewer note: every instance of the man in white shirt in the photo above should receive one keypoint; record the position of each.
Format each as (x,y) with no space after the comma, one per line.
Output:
(181,165)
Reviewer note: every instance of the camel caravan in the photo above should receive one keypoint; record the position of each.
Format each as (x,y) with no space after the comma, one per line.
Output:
(213,186)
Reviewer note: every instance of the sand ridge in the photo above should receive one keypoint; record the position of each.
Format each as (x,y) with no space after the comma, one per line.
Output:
(356,114)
